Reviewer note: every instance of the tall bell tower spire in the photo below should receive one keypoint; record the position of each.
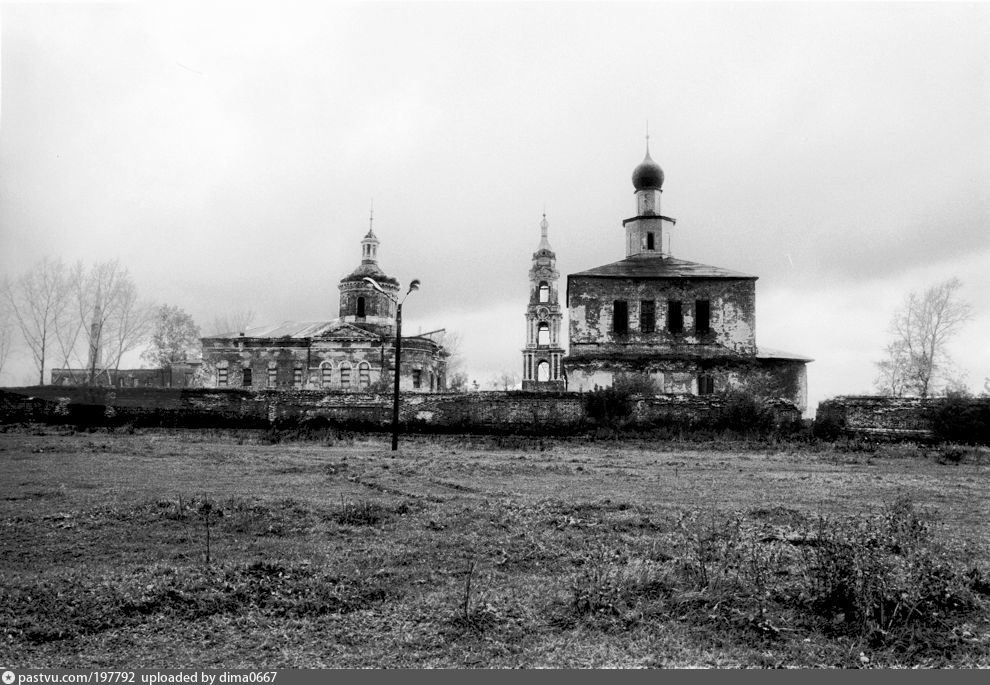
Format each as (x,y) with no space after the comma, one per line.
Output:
(543,356)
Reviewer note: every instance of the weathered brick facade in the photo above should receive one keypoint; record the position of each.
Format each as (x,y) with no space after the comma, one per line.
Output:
(691,327)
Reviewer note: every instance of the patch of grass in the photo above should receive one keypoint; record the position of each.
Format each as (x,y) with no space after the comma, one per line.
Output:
(451,555)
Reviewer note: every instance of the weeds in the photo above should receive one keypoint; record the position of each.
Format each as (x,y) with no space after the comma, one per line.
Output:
(884,580)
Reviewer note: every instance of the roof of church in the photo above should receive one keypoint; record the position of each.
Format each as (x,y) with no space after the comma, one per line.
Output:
(770,353)
(372,270)
(291,329)
(654,265)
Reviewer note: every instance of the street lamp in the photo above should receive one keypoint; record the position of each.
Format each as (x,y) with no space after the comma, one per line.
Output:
(413,285)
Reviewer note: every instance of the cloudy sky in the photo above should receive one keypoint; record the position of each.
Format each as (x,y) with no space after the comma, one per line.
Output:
(229,153)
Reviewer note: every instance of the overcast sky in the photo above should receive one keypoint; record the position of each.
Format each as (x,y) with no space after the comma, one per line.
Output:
(229,153)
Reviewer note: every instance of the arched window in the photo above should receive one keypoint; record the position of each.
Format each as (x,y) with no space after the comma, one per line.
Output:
(543,371)
(326,375)
(364,375)
(360,307)
(544,295)
(345,376)
(543,334)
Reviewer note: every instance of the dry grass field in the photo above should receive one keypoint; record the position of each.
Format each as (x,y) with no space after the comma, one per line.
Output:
(233,549)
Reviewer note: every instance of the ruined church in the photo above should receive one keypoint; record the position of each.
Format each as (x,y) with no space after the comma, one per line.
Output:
(689,326)
(352,353)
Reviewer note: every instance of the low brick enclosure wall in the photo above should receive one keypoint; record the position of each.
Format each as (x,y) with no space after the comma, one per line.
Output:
(485,412)
(891,418)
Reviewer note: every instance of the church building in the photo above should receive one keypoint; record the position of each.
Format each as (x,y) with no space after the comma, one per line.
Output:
(354,352)
(543,356)
(689,326)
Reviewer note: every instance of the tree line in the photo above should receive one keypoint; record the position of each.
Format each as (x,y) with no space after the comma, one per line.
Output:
(86,318)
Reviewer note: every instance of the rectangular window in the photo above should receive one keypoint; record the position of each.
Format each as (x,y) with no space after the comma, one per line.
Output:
(647,316)
(221,377)
(675,316)
(620,317)
(272,376)
(702,316)
(706,385)
(246,382)
(417,378)
(297,377)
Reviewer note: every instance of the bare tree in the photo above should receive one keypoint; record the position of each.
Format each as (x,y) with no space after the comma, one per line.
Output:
(174,338)
(922,329)
(457,382)
(101,321)
(70,322)
(128,326)
(232,322)
(506,380)
(6,324)
(37,299)
(891,377)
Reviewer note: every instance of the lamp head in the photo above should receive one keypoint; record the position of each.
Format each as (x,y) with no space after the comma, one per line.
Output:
(414,285)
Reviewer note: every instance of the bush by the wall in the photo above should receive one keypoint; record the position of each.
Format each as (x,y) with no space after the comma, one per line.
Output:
(960,419)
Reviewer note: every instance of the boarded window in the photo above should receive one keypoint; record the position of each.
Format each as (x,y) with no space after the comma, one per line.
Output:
(647,316)
(706,384)
(417,377)
(620,317)
(544,291)
(297,377)
(702,316)
(326,376)
(272,376)
(345,376)
(675,316)
(543,334)
(360,307)
(221,377)
(246,382)
(543,371)
(364,376)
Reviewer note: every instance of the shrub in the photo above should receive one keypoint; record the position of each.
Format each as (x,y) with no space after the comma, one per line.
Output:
(828,428)
(613,405)
(607,406)
(958,419)
(745,412)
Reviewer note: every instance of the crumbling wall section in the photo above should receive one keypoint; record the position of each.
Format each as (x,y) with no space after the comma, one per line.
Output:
(885,418)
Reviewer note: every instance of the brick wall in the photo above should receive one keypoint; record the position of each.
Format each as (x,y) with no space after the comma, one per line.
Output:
(533,412)
(889,418)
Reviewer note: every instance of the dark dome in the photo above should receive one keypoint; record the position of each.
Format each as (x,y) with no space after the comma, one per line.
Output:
(648,175)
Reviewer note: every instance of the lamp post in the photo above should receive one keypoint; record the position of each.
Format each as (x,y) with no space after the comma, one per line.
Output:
(413,285)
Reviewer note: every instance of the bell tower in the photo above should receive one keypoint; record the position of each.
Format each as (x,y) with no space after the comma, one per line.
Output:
(543,356)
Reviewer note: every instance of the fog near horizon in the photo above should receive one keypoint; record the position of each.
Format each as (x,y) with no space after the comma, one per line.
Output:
(229,156)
